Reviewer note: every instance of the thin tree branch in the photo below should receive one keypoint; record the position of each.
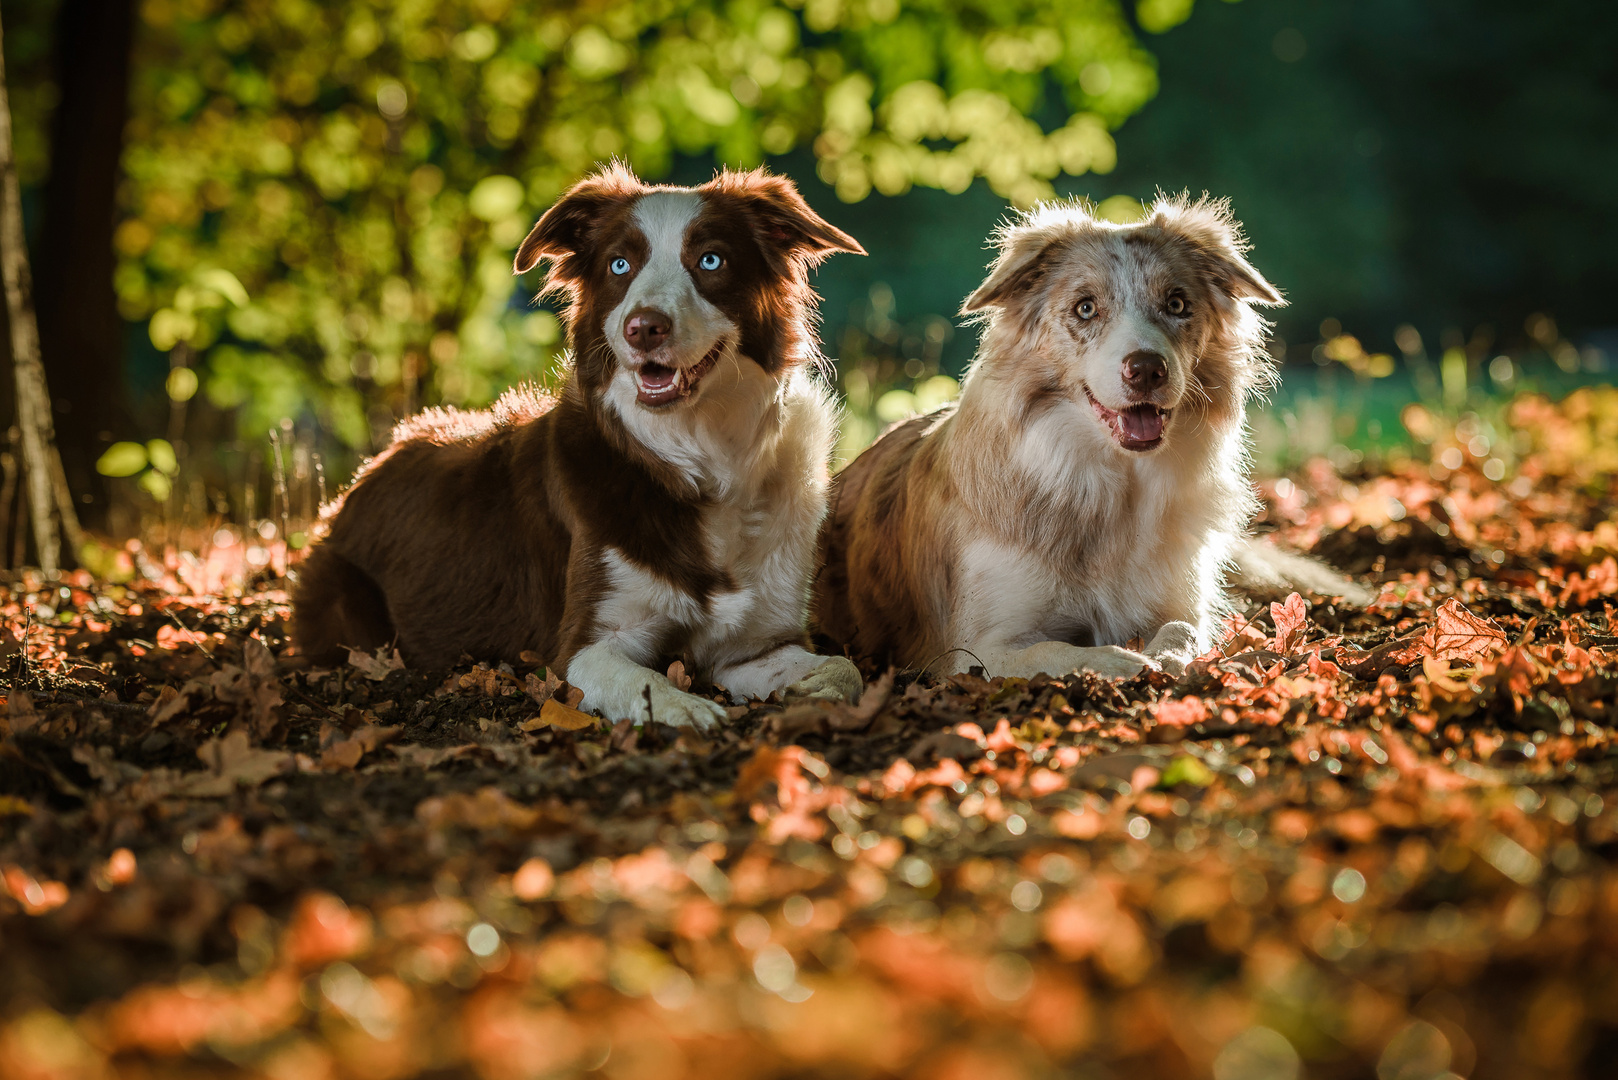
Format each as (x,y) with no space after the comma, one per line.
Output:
(42,466)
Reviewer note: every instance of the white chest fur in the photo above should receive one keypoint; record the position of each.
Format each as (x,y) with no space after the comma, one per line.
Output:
(1106,549)
(759,527)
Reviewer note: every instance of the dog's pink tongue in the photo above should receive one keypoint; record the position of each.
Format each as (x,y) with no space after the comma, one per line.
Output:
(657,377)
(1141,423)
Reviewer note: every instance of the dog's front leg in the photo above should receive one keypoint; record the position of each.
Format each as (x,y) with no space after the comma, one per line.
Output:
(620,689)
(1060,658)
(795,672)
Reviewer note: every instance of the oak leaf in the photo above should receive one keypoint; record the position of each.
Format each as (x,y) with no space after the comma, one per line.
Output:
(1457,634)
(378,667)
(233,762)
(1290,617)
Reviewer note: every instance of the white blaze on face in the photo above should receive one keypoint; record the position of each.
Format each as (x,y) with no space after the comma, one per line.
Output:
(664,284)
(1129,331)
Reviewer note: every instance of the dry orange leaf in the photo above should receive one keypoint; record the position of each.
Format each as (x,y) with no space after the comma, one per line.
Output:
(1290,618)
(554,714)
(233,761)
(1457,634)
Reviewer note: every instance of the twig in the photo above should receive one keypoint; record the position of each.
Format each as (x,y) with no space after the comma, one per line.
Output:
(280,476)
(175,619)
(22,657)
(100,703)
(958,648)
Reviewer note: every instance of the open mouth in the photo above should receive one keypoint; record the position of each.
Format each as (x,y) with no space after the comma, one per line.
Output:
(1139,427)
(658,384)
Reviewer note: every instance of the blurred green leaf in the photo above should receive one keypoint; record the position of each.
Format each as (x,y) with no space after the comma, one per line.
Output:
(122,459)
(161,455)
(1186,769)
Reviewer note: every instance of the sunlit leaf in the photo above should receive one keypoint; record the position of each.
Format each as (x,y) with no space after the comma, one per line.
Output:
(122,459)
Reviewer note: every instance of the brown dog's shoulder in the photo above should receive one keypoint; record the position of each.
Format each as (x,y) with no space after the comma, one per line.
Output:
(877,552)
(444,425)
(885,459)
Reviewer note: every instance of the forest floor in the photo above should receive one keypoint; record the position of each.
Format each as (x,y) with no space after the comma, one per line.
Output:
(1354,841)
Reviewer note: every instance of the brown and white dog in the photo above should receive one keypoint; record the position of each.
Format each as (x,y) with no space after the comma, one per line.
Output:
(1090,486)
(663,504)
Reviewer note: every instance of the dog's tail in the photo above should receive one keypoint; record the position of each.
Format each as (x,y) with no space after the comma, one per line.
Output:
(1263,567)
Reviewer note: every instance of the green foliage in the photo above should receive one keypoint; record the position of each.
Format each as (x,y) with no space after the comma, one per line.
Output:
(132,459)
(322,199)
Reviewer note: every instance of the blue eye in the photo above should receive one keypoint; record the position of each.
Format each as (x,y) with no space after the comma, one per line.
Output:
(710,261)
(620,266)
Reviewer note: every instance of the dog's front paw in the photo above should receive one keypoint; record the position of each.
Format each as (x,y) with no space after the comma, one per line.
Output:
(835,680)
(1060,658)
(1174,647)
(1115,662)
(676,708)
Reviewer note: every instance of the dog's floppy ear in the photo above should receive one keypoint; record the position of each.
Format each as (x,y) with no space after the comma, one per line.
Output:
(561,232)
(1208,226)
(787,227)
(1021,262)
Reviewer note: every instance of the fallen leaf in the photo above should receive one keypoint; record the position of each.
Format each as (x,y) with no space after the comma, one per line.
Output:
(430,757)
(169,704)
(489,808)
(1457,634)
(21,713)
(12,806)
(253,688)
(377,667)
(488,681)
(554,714)
(1290,618)
(678,677)
(942,745)
(541,690)
(346,753)
(233,762)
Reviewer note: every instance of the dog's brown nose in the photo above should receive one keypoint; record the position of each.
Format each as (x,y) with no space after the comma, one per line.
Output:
(647,329)
(1145,371)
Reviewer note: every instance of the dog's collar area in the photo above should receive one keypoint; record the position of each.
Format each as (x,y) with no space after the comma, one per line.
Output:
(1138,427)
(658,385)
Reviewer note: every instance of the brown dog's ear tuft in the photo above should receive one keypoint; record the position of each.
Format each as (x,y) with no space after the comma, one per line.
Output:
(1024,241)
(561,232)
(1014,272)
(789,229)
(1209,227)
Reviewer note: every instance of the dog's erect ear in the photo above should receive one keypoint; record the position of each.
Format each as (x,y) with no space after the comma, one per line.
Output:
(562,231)
(788,229)
(1207,225)
(1021,262)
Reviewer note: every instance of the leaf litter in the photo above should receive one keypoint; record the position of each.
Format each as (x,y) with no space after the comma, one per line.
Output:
(1351,841)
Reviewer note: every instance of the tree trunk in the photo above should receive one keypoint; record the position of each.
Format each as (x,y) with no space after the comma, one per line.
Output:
(48,493)
(80,329)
